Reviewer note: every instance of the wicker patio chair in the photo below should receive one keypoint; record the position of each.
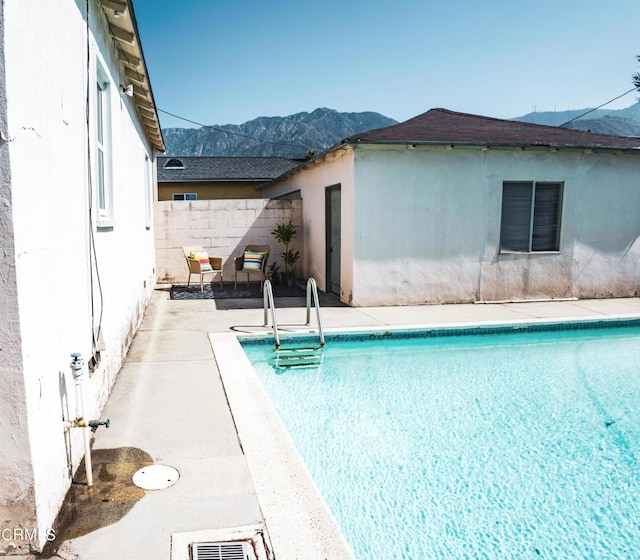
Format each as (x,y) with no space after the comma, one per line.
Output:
(199,262)
(253,261)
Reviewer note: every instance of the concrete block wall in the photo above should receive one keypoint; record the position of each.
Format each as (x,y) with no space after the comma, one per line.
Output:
(223,228)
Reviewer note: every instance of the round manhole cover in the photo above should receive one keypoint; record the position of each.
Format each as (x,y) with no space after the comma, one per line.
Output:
(155,477)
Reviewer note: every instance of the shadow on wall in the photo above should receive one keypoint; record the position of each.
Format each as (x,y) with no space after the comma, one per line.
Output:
(66,414)
(223,228)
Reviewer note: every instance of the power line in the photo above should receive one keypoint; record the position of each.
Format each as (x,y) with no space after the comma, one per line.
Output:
(598,107)
(240,134)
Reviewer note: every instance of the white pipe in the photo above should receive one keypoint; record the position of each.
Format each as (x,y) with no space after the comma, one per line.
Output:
(77,370)
(79,398)
(88,469)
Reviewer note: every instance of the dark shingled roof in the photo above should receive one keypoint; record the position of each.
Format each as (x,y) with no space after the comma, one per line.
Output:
(441,126)
(223,169)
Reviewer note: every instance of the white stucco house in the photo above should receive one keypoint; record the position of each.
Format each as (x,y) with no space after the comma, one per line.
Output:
(77,266)
(451,207)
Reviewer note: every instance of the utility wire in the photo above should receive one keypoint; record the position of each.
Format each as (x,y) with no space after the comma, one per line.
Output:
(239,133)
(94,268)
(598,107)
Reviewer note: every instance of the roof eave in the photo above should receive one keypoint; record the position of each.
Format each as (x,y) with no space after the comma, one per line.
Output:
(216,180)
(124,31)
(486,145)
(304,165)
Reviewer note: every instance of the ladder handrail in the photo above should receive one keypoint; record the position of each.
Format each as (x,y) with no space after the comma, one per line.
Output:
(312,289)
(268,302)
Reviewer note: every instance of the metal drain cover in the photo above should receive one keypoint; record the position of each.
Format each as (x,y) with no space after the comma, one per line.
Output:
(155,477)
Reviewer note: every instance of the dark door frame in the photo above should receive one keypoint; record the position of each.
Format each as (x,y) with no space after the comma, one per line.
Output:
(330,223)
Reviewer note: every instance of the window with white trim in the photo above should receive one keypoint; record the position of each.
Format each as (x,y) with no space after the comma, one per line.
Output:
(102,143)
(185,196)
(531,215)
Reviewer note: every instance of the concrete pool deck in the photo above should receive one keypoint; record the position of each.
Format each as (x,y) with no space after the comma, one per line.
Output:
(170,406)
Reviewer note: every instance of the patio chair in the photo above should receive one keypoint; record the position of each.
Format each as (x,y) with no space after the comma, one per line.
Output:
(253,261)
(199,262)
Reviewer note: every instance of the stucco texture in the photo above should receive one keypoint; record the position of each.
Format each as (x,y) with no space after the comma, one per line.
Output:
(421,224)
(428,226)
(59,282)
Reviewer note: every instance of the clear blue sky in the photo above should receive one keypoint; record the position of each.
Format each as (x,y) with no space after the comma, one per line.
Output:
(229,61)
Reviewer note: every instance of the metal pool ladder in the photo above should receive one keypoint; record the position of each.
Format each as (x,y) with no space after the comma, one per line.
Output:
(312,290)
(295,356)
(267,296)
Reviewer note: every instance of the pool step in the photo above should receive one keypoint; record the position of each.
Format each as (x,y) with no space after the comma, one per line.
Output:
(298,357)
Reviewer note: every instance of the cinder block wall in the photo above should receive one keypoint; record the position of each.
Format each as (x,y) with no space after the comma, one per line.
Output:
(223,228)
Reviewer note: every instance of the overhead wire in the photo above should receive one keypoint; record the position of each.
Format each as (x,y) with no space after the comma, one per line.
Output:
(598,107)
(232,133)
(94,269)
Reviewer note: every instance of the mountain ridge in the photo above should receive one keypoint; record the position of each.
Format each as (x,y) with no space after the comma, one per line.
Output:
(619,122)
(296,136)
(293,136)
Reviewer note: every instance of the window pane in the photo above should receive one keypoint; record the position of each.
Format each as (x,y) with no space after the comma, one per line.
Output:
(102,201)
(100,113)
(546,217)
(191,196)
(516,216)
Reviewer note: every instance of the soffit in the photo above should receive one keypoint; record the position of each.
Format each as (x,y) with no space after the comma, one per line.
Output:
(124,30)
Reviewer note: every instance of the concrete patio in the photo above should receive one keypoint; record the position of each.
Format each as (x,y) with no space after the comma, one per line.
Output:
(169,406)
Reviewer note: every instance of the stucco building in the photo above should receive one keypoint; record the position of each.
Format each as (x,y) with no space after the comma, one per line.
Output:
(450,207)
(78,138)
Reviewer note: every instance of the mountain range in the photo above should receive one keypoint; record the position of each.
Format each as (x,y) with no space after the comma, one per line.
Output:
(302,134)
(293,136)
(620,122)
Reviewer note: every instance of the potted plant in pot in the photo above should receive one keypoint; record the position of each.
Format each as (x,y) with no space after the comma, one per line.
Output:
(284,233)
(273,272)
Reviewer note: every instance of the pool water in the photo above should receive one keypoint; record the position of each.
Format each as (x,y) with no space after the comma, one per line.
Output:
(496,446)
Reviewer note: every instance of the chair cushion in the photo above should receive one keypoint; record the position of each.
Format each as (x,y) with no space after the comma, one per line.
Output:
(252,261)
(203,259)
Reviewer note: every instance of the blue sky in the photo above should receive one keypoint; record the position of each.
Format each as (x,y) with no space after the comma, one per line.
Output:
(229,61)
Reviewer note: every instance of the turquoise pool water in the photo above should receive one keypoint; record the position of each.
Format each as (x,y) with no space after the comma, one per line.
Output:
(496,446)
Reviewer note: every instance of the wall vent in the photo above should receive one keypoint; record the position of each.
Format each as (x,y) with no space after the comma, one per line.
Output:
(232,550)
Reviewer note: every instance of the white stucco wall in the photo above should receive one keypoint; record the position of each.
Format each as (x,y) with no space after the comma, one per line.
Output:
(335,169)
(427,225)
(16,491)
(56,279)
(423,225)
(223,228)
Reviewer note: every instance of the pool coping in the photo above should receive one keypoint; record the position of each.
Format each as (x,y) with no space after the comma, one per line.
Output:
(425,330)
(299,524)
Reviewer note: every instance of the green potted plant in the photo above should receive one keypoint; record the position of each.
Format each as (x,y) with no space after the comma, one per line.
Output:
(284,233)
(273,273)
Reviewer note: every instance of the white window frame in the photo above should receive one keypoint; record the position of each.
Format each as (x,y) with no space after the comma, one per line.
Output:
(530,225)
(184,196)
(102,149)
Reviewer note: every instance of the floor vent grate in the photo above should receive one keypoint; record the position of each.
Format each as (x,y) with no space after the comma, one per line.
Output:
(237,550)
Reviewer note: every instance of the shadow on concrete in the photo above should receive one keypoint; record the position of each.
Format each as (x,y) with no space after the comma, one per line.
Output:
(326,300)
(113,494)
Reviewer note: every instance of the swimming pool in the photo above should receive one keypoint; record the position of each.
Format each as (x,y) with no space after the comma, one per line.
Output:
(505,445)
